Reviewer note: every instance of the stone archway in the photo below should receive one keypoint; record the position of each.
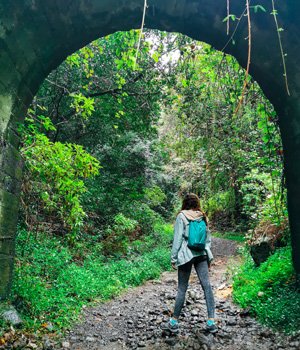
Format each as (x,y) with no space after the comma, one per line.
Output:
(37,35)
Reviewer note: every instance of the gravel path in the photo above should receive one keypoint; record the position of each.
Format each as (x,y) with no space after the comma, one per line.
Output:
(133,320)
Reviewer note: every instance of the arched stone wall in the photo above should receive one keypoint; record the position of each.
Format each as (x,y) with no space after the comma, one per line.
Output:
(37,35)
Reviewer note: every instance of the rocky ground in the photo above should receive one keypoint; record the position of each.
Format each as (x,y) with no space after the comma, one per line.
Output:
(134,319)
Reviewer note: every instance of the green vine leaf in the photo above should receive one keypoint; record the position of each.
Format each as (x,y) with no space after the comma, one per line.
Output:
(258,8)
(229,17)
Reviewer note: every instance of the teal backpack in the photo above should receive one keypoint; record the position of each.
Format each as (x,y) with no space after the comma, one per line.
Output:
(195,234)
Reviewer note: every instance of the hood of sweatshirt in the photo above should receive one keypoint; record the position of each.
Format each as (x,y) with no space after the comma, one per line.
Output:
(192,214)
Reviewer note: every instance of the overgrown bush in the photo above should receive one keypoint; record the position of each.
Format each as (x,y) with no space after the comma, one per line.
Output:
(154,196)
(162,236)
(53,178)
(270,291)
(263,199)
(51,285)
(221,201)
(118,236)
(145,216)
(220,208)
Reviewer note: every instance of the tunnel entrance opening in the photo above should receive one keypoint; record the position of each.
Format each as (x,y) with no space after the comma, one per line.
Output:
(160,127)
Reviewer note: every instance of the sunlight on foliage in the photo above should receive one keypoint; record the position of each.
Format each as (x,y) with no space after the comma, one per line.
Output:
(54,173)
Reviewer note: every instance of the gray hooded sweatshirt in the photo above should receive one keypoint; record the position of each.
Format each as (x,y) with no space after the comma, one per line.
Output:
(181,254)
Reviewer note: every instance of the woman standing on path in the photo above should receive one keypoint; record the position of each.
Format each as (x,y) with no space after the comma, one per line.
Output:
(183,258)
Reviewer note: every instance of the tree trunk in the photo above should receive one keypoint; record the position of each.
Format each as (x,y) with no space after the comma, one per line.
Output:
(290,128)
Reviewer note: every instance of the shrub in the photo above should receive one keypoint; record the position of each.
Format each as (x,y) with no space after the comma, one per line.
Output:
(145,216)
(222,201)
(50,286)
(53,178)
(154,196)
(118,236)
(220,208)
(161,237)
(263,199)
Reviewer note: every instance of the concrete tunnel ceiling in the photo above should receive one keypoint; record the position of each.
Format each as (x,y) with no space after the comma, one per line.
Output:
(37,35)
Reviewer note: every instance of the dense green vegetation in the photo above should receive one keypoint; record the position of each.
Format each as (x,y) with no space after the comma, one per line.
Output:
(169,124)
(234,236)
(269,291)
(53,281)
(112,141)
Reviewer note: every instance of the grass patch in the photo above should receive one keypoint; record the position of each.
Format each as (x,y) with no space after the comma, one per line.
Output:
(269,291)
(51,285)
(234,236)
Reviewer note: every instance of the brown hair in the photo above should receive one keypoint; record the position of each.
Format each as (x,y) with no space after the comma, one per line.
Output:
(192,201)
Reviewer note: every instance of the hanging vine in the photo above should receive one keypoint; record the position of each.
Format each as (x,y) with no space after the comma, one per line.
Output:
(246,12)
(141,32)
(228,12)
(249,58)
(279,30)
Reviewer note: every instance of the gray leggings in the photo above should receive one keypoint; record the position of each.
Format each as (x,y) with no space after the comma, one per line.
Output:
(184,272)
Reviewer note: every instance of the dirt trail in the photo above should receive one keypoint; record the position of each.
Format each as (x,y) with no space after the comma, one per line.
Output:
(133,320)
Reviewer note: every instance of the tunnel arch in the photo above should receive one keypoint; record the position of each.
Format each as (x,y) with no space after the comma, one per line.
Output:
(37,35)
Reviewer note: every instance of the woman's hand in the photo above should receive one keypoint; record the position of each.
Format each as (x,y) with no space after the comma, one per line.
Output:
(174,267)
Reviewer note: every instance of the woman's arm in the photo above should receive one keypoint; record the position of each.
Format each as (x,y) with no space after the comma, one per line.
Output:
(178,237)
(208,246)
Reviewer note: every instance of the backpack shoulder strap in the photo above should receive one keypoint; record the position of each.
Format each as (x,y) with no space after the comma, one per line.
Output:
(184,219)
(186,225)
